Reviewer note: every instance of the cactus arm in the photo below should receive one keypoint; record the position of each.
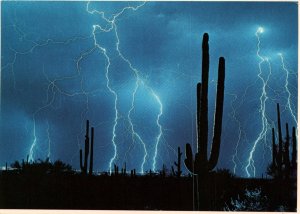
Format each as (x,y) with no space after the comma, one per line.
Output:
(189,158)
(173,171)
(199,85)
(214,155)
(202,135)
(177,164)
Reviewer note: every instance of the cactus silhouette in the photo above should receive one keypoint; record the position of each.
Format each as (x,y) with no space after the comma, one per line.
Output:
(123,170)
(294,152)
(116,170)
(132,173)
(281,166)
(177,164)
(83,166)
(286,155)
(201,165)
(163,171)
(277,151)
(280,152)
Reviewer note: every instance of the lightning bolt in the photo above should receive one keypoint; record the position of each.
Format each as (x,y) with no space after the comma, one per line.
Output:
(240,132)
(103,50)
(139,82)
(160,129)
(263,98)
(289,104)
(52,87)
(134,133)
(35,139)
(48,103)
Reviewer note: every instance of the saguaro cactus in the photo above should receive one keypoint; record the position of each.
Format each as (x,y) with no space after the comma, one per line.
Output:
(281,166)
(116,170)
(286,156)
(294,152)
(200,164)
(124,170)
(280,151)
(84,165)
(178,172)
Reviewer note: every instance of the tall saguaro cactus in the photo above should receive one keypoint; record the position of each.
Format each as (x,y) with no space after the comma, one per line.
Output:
(201,164)
(294,152)
(87,149)
(280,150)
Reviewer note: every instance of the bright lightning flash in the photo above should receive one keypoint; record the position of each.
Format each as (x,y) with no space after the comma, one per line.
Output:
(263,98)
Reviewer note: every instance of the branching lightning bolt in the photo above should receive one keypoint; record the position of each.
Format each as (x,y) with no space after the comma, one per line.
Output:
(112,26)
(48,103)
(289,104)
(263,99)
(103,50)
(33,145)
(52,87)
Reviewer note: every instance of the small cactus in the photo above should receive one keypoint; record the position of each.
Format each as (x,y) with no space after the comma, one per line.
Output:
(123,170)
(178,172)
(281,166)
(132,173)
(84,164)
(116,170)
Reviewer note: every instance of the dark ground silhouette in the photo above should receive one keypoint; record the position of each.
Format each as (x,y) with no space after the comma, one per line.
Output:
(41,187)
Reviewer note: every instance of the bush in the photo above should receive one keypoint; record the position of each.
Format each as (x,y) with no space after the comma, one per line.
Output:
(253,200)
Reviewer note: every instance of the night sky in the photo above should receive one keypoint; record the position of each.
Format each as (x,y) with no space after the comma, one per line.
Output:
(131,68)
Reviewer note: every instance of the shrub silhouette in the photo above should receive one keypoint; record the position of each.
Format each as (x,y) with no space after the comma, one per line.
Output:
(42,167)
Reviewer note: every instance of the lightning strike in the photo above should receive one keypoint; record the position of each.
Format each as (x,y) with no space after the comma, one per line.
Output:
(160,129)
(289,104)
(112,26)
(235,158)
(263,98)
(113,92)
